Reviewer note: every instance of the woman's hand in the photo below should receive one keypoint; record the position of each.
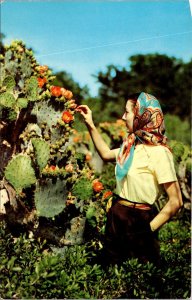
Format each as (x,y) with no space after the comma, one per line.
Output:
(86,113)
(100,145)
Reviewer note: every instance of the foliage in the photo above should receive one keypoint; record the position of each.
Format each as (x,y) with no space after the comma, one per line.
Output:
(108,176)
(177,129)
(111,109)
(83,189)
(32,270)
(182,158)
(156,74)
(2,36)
(115,131)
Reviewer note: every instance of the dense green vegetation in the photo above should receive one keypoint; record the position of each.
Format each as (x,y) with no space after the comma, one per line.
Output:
(165,77)
(31,269)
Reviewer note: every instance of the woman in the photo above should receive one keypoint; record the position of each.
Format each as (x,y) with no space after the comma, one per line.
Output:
(144,166)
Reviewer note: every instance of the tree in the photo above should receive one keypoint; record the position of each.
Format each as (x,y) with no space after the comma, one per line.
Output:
(183,90)
(2,36)
(165,77)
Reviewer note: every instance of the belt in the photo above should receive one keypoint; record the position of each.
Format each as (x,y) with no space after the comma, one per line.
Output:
(134,205)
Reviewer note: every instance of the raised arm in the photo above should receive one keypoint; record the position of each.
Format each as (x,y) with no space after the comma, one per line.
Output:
(102,148)
(172,206)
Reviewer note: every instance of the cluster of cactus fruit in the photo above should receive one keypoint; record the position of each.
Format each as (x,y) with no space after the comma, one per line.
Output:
(36,147)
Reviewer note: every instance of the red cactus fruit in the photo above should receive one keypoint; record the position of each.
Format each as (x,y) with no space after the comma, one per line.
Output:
(67,117)
(97,186)
(56,91)
(41,81)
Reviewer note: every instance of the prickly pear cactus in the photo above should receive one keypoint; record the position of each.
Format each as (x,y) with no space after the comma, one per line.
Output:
(41,169)
(20,173)
(42,152)
(50,198)
(36,122)
(74,235)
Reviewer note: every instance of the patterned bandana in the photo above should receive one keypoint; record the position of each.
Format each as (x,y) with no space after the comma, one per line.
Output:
(148,128)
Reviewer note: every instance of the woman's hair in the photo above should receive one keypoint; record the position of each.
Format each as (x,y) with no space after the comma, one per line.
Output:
(133,97)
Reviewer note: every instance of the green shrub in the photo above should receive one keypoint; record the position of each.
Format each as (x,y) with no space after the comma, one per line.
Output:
(29,269)
(177,129)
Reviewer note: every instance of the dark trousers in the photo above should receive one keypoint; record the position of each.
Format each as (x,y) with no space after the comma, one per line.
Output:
(128,235)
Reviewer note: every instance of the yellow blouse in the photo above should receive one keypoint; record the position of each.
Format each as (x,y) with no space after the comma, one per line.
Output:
(151,167)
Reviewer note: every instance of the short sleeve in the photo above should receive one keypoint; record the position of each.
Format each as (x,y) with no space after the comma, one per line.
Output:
(162,164)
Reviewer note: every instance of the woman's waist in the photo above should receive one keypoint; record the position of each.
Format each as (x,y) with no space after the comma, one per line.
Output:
(132,203)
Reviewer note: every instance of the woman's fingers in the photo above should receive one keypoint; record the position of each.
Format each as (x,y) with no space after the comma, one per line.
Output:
(85,111)
(83,108)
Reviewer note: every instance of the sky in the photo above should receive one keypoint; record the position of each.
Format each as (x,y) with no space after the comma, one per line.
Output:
(84,37)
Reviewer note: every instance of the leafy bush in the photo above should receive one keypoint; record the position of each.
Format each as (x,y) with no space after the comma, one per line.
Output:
(177,129)
(31,269)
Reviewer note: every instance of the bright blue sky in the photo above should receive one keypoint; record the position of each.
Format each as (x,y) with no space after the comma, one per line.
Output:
(83,37)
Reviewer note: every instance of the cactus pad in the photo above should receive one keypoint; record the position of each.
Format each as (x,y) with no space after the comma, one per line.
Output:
(3,73)
(7,100)
(82,189)
(20,173)
(33,127)
(50,198)
(32,89)
(76,232)
(11,67)
(8,56)
(55,134)
(42,152)
(12,115)
(22,103)
(9,82)
(46,113)
(25,66)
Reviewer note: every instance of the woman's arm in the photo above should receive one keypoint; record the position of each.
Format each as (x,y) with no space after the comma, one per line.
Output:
(102,148)
(172,206)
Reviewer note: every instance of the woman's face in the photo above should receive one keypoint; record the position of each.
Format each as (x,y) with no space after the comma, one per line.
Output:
(128,115)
